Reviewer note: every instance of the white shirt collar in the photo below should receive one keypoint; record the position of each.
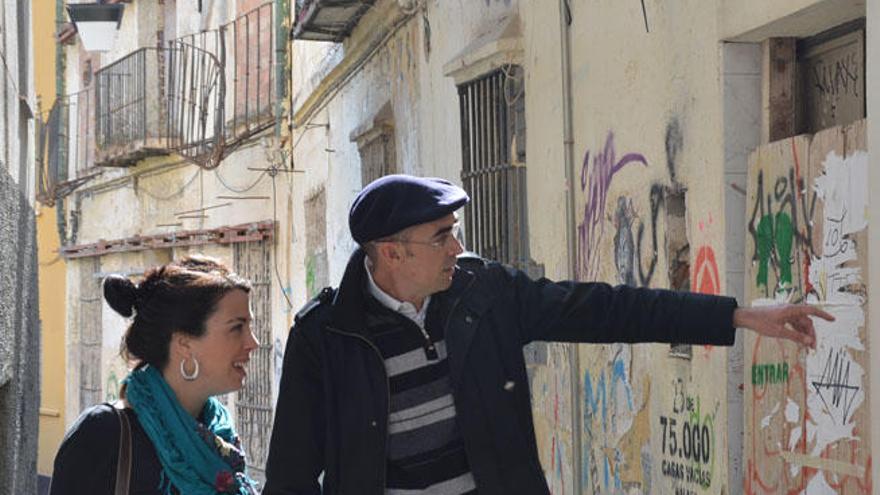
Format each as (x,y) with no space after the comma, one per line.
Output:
(405,308)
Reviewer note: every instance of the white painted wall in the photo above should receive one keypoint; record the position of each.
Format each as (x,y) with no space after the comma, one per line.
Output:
(872,63)
(742,124)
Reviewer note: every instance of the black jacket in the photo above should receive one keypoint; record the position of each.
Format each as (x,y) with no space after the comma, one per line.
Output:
(333,402)
(86,459)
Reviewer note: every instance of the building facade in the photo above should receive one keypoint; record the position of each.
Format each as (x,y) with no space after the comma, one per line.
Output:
(711,146)
(19,318)
(704,146)
(172,143)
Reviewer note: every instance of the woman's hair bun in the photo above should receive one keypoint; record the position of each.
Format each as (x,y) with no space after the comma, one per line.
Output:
(120,293)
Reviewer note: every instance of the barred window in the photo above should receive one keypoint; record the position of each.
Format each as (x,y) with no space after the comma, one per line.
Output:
(377,153)
(493,136)
(254,403)
(375,142)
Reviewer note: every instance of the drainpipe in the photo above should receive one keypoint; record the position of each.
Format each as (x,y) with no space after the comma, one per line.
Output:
(282,12)
(565,19)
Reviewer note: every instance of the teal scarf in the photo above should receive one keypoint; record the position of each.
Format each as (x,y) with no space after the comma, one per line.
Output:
(196,458)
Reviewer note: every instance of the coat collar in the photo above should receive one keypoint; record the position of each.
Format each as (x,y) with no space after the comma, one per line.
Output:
(349,304)
(466,300)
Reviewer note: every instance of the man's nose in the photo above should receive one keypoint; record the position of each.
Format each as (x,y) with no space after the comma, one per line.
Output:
(457,247)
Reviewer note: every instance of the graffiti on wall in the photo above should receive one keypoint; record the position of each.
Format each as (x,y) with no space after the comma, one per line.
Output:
(597,172)
(807,412)
(776,210)
(636,241)
(551,388)
(618,452)
(705,278)
(616,456)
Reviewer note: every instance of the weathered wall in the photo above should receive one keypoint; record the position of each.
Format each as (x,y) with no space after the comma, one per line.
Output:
(647,130)
(155,193)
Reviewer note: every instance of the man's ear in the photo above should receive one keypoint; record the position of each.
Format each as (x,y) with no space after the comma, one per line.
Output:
(389,253)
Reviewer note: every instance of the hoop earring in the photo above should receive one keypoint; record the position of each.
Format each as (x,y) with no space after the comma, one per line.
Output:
(195,373)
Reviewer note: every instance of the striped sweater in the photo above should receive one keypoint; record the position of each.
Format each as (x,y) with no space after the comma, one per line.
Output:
(426,453)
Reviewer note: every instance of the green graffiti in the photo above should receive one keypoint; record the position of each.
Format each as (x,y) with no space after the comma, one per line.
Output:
(778,234)
(111,394)
(765,244)
(769,373)
(784,241)
(310,276)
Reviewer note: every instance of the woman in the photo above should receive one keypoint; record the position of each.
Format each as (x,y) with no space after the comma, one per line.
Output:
(191,339)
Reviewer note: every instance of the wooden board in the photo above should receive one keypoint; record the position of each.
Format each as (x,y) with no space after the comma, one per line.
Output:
(807,413)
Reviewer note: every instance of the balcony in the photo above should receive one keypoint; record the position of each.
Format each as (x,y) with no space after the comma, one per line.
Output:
(130,109)
(65,154)
(195,102)
(246,50)
(199,97)
(328,20)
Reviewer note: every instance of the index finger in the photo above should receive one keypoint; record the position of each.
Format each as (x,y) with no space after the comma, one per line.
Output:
(814,311)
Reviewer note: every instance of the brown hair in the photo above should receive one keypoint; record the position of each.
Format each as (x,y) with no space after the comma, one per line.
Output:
(177,297)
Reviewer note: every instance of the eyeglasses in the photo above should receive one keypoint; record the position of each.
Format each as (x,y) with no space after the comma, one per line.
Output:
(437,243)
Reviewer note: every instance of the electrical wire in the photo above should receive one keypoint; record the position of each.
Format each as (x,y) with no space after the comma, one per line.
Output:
(237,190)
(275,246)
(175,194)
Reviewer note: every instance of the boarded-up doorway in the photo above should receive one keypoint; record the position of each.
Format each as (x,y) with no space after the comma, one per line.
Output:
(807,416)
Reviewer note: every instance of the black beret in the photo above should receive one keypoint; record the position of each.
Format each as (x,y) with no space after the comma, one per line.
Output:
(394,202)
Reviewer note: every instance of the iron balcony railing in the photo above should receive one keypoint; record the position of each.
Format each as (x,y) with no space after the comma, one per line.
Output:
(130,108)
(196,91)
(78,131)
(65,154)
(246,48)
(199,96)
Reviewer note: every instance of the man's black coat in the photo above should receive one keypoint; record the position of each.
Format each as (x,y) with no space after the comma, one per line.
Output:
(333,402)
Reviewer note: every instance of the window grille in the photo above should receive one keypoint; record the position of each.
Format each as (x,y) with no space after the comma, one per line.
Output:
(378,157)
(493,166)
(254,402)
(128,103)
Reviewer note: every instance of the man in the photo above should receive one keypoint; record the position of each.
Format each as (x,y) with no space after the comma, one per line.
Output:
(410,378)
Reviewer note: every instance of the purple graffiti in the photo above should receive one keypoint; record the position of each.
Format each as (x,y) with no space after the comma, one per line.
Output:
(595,182)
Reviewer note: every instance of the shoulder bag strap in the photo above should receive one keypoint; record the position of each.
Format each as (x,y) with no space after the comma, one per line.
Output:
(123,464)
